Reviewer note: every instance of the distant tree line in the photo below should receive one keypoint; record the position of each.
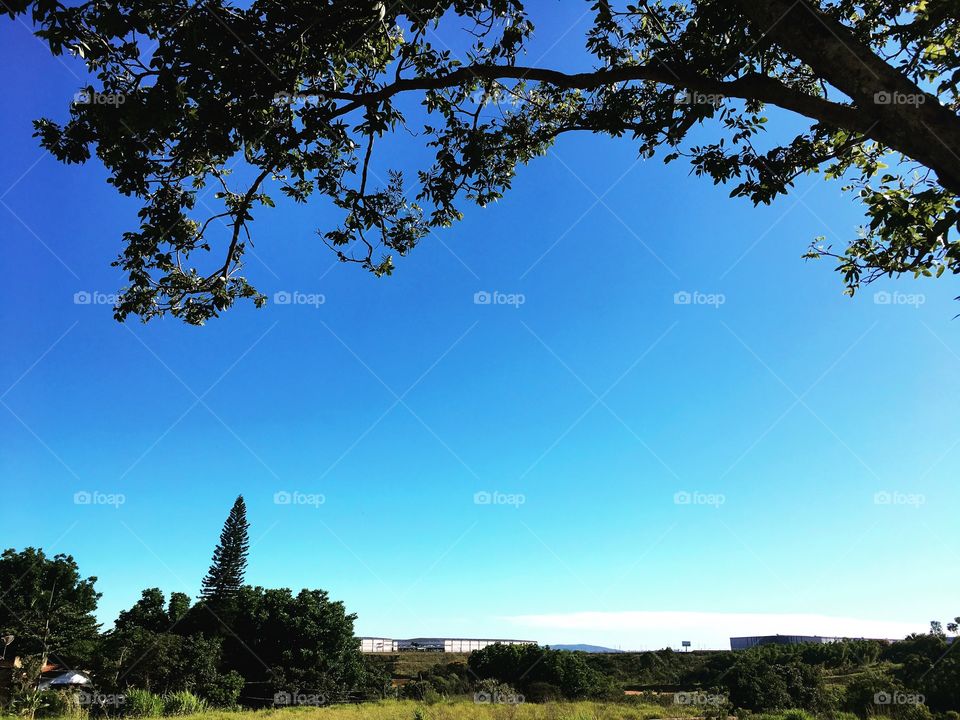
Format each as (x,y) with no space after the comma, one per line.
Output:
(913,679)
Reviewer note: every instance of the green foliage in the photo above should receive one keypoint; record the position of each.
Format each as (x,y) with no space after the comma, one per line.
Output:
(58,704)
(281,641)
(143,704)
(523,665)
(928,665)
(305,96)
(542,692)
(229,564)
(753,683)
(163,662)
(224,691)
(660,668)
(183,703)
(167,651)
(48,590)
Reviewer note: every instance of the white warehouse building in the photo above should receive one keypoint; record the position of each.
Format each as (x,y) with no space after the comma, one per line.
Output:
(456,645)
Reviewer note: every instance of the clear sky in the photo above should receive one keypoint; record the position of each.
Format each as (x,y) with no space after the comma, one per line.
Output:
(783,461)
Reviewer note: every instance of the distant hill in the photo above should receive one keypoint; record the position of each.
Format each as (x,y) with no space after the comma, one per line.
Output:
(586,648)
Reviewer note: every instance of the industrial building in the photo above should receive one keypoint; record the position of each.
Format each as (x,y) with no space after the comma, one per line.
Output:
(457,645)
(744,643)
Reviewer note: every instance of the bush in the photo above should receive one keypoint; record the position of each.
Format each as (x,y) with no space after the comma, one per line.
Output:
(183,703)
(523,665)
(797,715)
(58,704)
(421,690)
(224,691)
(541,692)
(847,716)
(143,703)
(497,693)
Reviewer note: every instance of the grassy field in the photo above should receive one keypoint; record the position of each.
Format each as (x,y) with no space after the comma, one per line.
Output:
(467,710)
(457,710)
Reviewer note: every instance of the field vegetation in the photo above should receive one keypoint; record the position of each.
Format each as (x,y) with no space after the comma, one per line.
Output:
(251,652)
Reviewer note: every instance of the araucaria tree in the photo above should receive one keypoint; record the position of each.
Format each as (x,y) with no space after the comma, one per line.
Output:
(225,576)
(305,92)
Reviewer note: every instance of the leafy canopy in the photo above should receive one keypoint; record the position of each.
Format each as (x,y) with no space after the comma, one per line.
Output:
(47,607)
(299,95)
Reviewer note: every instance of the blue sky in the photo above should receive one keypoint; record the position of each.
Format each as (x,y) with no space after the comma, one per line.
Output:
(783,461)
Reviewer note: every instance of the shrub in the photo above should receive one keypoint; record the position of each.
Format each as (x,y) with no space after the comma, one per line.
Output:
(541,692)
(847,716)
(183,703)
(58,704)
(224,691)
(143,703)
(797,715)
(497,693)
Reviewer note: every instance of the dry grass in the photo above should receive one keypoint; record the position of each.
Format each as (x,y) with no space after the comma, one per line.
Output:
(460,710)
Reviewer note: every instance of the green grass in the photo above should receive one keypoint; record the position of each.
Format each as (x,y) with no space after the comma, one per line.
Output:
(459,710)
(463,710)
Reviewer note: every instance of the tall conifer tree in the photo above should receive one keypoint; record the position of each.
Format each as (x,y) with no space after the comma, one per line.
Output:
(229,565)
